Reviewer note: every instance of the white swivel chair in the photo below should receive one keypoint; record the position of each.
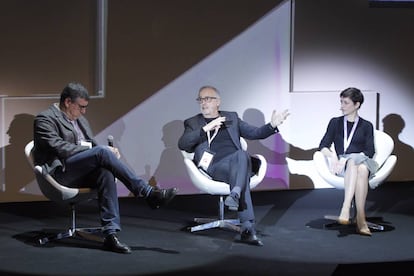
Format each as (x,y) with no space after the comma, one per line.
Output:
(384,146)
(56,192)
(220,189)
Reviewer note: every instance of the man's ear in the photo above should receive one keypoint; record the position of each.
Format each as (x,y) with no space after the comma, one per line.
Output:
(67,102)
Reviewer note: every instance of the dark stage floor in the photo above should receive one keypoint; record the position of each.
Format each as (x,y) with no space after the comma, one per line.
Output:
(290,223)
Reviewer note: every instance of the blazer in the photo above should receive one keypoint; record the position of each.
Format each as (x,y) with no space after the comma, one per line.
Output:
(55,139)
(194,139)
(362,141)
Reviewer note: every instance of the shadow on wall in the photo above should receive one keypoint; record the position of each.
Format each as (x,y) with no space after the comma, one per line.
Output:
(393,125)
(277,158)
(18,175)
(118,130)
(171,170)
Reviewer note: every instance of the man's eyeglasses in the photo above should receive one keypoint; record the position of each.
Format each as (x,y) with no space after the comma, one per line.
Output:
(205,99)
(81,107)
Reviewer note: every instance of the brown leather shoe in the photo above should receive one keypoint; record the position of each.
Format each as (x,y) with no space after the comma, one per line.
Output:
(112,243)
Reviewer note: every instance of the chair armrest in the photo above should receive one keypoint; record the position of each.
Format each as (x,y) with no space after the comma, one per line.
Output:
(51,188)
(321,165)
(259,176)
(213,187)
(203,183)
(383,172)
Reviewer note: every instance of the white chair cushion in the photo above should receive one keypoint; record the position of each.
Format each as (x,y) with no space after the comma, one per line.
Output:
(207,185)
(384,146)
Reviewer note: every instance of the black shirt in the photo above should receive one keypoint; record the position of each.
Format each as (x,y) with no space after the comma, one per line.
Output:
(222,145)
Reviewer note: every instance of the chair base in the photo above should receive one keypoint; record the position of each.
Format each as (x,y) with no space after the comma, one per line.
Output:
(208,223)
(91,234)
(371,225)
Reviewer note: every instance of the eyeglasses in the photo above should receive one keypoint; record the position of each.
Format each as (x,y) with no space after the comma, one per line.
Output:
(81,107)
(205,99)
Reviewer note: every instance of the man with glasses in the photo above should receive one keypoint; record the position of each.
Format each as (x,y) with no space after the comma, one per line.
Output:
(214,137)
(65,148)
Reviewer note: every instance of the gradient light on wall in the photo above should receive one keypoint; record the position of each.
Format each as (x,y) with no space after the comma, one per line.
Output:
(251,71)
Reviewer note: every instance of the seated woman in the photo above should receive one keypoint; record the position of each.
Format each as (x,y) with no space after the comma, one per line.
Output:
(353,139)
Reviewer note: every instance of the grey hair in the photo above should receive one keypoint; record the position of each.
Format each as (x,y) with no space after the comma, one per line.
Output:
(208,87)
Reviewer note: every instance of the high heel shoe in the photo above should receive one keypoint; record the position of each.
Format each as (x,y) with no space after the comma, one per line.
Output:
(364,230)
(344,217)
(343,221)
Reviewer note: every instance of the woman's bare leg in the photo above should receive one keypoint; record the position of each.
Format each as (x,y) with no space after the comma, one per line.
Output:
(350,181)
(361,192)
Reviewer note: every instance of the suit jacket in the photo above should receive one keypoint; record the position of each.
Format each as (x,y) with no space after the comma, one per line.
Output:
(55,139)
(194,139)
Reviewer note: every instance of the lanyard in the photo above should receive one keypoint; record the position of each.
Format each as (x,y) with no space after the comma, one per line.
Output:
(347,140)
(210,139)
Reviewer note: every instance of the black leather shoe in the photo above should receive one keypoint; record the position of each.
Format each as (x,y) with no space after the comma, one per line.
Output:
(111,243)
(159,197)
(250,238)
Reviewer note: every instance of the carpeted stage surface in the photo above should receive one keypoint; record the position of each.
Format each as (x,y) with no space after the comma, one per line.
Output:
(290,223)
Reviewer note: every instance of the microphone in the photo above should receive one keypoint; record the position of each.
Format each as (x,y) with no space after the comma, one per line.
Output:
(110,140)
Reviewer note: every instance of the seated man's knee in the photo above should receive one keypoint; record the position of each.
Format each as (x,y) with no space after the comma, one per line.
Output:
(102,150)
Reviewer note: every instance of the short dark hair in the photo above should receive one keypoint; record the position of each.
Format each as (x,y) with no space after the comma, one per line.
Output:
(74,90)
(354,94)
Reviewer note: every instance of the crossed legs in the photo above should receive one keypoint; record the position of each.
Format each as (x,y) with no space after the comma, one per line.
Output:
(235,169)
(355,185)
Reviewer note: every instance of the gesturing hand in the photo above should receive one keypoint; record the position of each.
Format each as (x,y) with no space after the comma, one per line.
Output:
(215,124)
(278,118)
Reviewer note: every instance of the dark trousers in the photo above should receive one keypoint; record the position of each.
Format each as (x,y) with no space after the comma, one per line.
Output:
(235,169)
(97,168)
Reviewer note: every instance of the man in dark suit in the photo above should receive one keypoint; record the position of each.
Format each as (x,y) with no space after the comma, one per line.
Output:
(214,137)
(65,148)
